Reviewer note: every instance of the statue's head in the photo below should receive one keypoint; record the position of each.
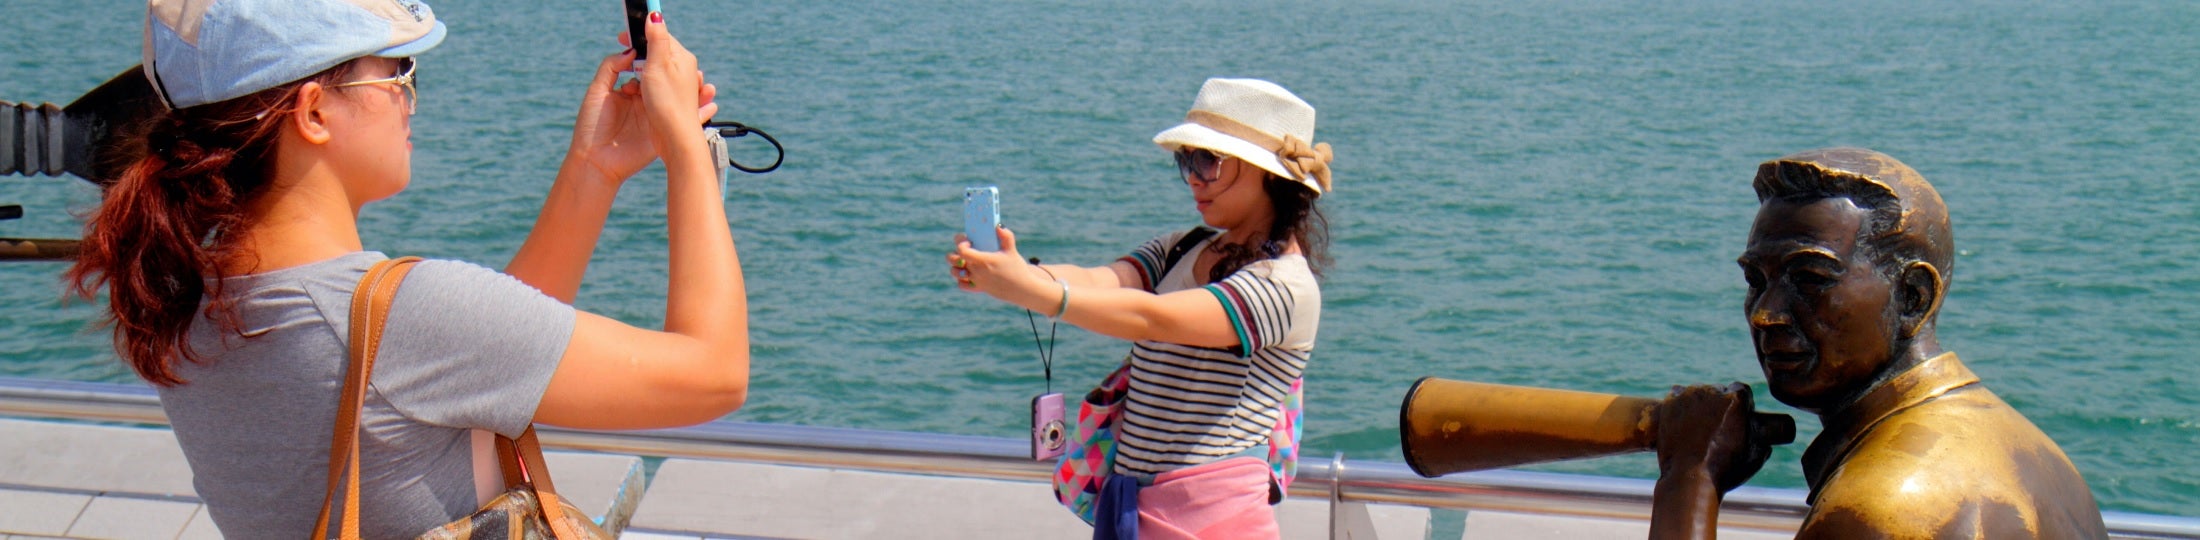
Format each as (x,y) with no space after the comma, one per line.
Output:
(1847,264)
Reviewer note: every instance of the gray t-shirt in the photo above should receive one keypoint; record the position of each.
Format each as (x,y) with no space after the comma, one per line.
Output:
(466,347)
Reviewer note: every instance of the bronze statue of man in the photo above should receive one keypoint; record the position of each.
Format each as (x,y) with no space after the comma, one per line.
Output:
(1848,262)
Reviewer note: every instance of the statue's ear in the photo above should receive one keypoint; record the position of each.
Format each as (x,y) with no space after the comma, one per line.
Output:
(1918,292)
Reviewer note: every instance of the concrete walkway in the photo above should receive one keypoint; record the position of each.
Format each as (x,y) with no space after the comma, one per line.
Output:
(698,499)
(66,480)
(70,480)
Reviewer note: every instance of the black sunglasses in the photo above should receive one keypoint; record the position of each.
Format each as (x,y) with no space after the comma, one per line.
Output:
(1199,164)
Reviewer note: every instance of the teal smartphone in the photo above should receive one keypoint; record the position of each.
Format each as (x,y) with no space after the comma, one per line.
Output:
(981,215)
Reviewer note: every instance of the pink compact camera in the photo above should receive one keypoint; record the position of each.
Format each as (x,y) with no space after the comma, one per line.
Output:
(1049,434)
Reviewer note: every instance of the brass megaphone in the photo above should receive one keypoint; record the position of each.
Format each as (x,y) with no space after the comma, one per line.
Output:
(28,249)
(1451,426)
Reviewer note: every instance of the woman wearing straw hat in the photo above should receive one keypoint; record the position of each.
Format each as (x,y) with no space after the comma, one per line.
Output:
(229,251)
(1220,341)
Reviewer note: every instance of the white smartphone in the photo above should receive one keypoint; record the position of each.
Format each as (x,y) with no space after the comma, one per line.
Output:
(981,215)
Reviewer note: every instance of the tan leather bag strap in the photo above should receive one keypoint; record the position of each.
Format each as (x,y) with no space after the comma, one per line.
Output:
(515,474)
(521,459)
(525,455)
(370,309)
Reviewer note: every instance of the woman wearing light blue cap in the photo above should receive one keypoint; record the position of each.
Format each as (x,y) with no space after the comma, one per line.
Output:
(229,251)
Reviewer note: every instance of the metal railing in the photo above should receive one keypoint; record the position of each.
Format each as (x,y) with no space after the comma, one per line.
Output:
(1337,479)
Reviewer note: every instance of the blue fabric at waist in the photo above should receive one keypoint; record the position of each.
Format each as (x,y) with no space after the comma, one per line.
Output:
(1258,451)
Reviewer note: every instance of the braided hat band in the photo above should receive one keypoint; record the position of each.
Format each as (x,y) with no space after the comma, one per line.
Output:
(1302,161)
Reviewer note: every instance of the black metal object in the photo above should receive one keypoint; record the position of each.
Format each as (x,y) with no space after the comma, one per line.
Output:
(79,139)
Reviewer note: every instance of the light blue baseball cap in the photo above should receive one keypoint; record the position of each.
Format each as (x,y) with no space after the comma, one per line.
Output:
(206,51)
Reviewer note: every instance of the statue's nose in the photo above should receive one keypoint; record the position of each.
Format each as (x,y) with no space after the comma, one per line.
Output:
(1768,310)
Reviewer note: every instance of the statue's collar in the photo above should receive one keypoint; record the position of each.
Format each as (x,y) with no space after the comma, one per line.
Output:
(1843,427)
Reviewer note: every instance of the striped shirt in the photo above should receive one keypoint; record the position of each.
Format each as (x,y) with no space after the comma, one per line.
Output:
(1192,405)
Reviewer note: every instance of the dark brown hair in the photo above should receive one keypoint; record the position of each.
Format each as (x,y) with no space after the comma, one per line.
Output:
(164,227)
(1297,217)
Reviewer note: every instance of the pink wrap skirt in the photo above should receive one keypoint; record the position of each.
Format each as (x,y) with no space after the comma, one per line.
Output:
(1226,499)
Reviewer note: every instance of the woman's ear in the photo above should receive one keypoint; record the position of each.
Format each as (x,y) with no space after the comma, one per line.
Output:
(1918,292)
(308,114)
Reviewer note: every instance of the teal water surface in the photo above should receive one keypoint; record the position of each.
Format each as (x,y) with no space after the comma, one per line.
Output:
(1540,193)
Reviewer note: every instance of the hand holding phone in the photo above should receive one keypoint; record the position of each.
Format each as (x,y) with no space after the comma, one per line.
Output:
(981,216)
(1049,434)
(637,27)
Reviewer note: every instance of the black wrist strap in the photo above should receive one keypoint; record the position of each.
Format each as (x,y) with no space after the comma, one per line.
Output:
(1046,348)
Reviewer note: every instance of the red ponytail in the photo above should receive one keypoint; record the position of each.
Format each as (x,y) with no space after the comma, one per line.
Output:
(163,229)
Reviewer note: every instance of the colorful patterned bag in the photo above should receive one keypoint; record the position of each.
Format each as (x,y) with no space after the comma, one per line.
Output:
(1077,478)
(1283,442)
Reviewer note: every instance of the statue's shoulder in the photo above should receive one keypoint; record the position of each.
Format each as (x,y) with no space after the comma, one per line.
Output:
(1965,465)
(1889,520)
(1882,492)
(1848,519)
(1954,434)
(1950,513)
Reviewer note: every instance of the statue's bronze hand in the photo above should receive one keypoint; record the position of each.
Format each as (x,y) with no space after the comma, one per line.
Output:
(1705,429)
(1751,458)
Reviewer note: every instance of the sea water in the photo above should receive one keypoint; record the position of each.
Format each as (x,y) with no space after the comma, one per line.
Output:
(1536,193)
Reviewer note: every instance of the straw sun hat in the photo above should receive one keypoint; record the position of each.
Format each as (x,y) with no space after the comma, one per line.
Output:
(1256,122)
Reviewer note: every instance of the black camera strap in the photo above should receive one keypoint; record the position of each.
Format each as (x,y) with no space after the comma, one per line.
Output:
(729,130)
(1046,349)
(1183,245)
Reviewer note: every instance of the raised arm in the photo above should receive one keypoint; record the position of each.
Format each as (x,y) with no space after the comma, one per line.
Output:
(1191,317)
(1115,274)
(615,376)
(1104,300)
(1705,449)
(610,143)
